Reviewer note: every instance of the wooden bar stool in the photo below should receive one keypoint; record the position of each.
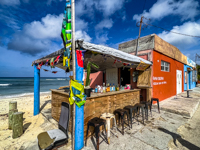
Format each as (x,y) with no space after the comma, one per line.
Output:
(96,123)
(122,113)
(108,117)
(157,100)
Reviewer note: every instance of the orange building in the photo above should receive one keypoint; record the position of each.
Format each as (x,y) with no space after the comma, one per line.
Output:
(167,71)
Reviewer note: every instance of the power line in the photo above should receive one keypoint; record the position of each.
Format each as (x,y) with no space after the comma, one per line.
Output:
(144,4)
(172,31)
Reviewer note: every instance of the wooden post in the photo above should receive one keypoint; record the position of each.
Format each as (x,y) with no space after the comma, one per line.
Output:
(17,124)
(12,105)
(10,116)
(74,68)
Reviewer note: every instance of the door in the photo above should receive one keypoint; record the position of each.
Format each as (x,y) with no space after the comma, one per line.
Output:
(178,81)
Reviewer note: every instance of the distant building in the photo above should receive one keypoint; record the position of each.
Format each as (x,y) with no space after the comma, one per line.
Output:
(171,72)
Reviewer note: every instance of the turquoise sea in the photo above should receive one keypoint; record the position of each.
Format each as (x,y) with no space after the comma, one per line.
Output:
(21,86)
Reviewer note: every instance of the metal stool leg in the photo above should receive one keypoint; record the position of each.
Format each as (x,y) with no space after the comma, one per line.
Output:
(97,136)
(128,120)
(146,111)
(158,106)
(108,129)
(86,135)
(131,118)
(142,114)
(122,120)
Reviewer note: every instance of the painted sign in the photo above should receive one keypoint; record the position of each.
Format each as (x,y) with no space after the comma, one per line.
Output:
(190,62)
(142,66)
(159,81)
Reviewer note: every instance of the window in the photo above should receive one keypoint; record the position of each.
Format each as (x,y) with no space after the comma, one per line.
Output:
(185,76)
(165,66)
(193,76)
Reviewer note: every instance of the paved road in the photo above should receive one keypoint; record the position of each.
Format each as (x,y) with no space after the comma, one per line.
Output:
(188,134)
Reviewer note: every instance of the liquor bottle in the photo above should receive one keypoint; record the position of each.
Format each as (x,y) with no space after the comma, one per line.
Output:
(104,88)
(96,89)
(113,89)
(110,88)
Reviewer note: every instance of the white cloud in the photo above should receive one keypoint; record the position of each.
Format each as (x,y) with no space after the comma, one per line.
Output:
(101,38)
(80,24)
(9,2)
(106,23)
(186,9)
(109,7)
(180,41)
(49,27)
(82,35)
(36,36)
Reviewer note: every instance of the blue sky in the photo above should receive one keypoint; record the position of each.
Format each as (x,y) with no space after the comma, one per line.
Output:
(30,29)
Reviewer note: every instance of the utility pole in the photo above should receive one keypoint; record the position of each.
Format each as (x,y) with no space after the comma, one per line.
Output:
(139,36)
(74,68)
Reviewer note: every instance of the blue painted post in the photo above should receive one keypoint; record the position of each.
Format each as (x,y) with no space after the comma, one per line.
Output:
(79,115)
(36,91)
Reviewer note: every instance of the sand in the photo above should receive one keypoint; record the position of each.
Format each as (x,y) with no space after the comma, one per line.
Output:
(33,125)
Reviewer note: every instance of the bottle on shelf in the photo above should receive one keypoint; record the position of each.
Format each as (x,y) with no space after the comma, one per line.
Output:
(110,88)
(104,88)
(113,88)
(96,89)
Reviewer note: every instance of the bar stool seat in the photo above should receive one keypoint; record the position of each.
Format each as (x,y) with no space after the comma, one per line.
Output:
(132,110)
(108,117)
(157,100)
(122,113)
(96,123)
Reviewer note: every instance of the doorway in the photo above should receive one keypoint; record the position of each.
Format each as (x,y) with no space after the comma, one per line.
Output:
(178,81)
(125,76)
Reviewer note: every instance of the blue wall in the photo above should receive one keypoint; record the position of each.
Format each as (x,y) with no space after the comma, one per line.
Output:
(191,84)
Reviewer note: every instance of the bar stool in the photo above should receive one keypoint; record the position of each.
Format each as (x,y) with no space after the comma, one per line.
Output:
(108,117)
(157,100)
(147,105)
(96,123)
(141,107)
(121,113)
(132,110)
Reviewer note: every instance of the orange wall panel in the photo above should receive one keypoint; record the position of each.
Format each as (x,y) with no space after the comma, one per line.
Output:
(164,83)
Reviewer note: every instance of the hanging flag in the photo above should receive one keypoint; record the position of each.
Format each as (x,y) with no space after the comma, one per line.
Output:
(54,72)
(142,66)
(66,33)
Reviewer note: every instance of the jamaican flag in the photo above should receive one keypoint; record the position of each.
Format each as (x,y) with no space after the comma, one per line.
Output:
(66,34)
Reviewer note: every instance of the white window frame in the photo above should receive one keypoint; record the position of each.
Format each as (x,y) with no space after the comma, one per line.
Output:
(165,65)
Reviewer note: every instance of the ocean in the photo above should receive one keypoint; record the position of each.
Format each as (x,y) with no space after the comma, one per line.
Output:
(21,86)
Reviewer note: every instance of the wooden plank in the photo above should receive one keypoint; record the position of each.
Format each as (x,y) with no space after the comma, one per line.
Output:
(144,78)
(169,50)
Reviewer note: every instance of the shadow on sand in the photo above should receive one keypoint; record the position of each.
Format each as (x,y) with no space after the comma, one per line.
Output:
(180,139)
(46,102)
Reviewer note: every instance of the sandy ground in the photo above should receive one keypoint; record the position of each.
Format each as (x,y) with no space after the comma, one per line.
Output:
(33,125)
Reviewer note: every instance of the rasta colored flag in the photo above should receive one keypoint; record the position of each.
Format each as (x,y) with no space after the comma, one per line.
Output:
(66,34)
